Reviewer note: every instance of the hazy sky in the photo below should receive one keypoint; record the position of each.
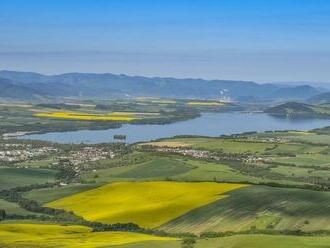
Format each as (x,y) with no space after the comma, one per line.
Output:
(262,40)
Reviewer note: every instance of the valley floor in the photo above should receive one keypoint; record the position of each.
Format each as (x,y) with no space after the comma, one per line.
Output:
(268,189)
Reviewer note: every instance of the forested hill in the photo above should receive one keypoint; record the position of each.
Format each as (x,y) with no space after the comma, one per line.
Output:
(295,109)
(321,98)
(11,90)
(111,85)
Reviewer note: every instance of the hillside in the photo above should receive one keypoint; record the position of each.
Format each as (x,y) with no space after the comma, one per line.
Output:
(10,90)
(295,109)
(321,98)
(111,85)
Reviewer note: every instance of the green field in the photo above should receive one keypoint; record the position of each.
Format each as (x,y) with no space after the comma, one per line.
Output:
(259,207)
(225,145)
(178,168)
(244,241)
(315,139)
(306,160)
(37,163)
(256,241)
(208,171)
(14,177)
(239,145)
(170,167)
(51,194)
(157,168)
(151,167)
(13,208)
(304,173)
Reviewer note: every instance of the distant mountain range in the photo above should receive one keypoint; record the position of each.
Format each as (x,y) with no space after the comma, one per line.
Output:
(28,85)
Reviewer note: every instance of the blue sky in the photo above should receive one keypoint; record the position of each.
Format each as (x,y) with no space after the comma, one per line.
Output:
(262,40)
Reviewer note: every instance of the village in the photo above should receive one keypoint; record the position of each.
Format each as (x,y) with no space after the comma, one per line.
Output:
(11,153)
(208,155)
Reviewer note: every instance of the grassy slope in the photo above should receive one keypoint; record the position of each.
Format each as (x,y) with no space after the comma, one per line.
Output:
(259,206)
(14,177)
(245,241)
(157,168)
(255,241)
(301,160)
(173,167)
(180,169)
(226,145)
(306,173)
(42,163)
(315,139)
(242,145)
(51,194)
(207,171)
(285,150)
(13,208)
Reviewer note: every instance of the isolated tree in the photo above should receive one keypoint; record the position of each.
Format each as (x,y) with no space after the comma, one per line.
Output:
(188,242)
(2,214)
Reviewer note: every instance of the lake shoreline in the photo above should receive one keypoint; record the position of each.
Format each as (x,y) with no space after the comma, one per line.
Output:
(208,124)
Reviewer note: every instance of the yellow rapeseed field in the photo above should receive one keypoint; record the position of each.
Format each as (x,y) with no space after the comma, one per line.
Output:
(148,204)
(114,116)
(205,103)
(47,235)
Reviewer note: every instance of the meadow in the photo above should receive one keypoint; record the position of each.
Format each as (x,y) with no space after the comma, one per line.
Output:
(54,193)
(315,139)
(13,208)
(246,241)
(253,241)
(260,208)
(282,157)
(15,177)
(241,145)
(217,144)
(180,168)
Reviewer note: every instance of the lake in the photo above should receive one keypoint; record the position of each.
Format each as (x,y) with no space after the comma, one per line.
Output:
(210,124)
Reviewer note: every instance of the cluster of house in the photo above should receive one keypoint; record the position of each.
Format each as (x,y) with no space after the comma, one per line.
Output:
(270,139)
(88,154)
(210,155)
(22,152)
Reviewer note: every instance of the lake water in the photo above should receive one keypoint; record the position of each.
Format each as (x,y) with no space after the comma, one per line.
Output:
(211,124)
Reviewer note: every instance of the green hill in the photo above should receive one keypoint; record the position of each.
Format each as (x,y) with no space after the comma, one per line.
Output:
(10,90)
(295,109)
